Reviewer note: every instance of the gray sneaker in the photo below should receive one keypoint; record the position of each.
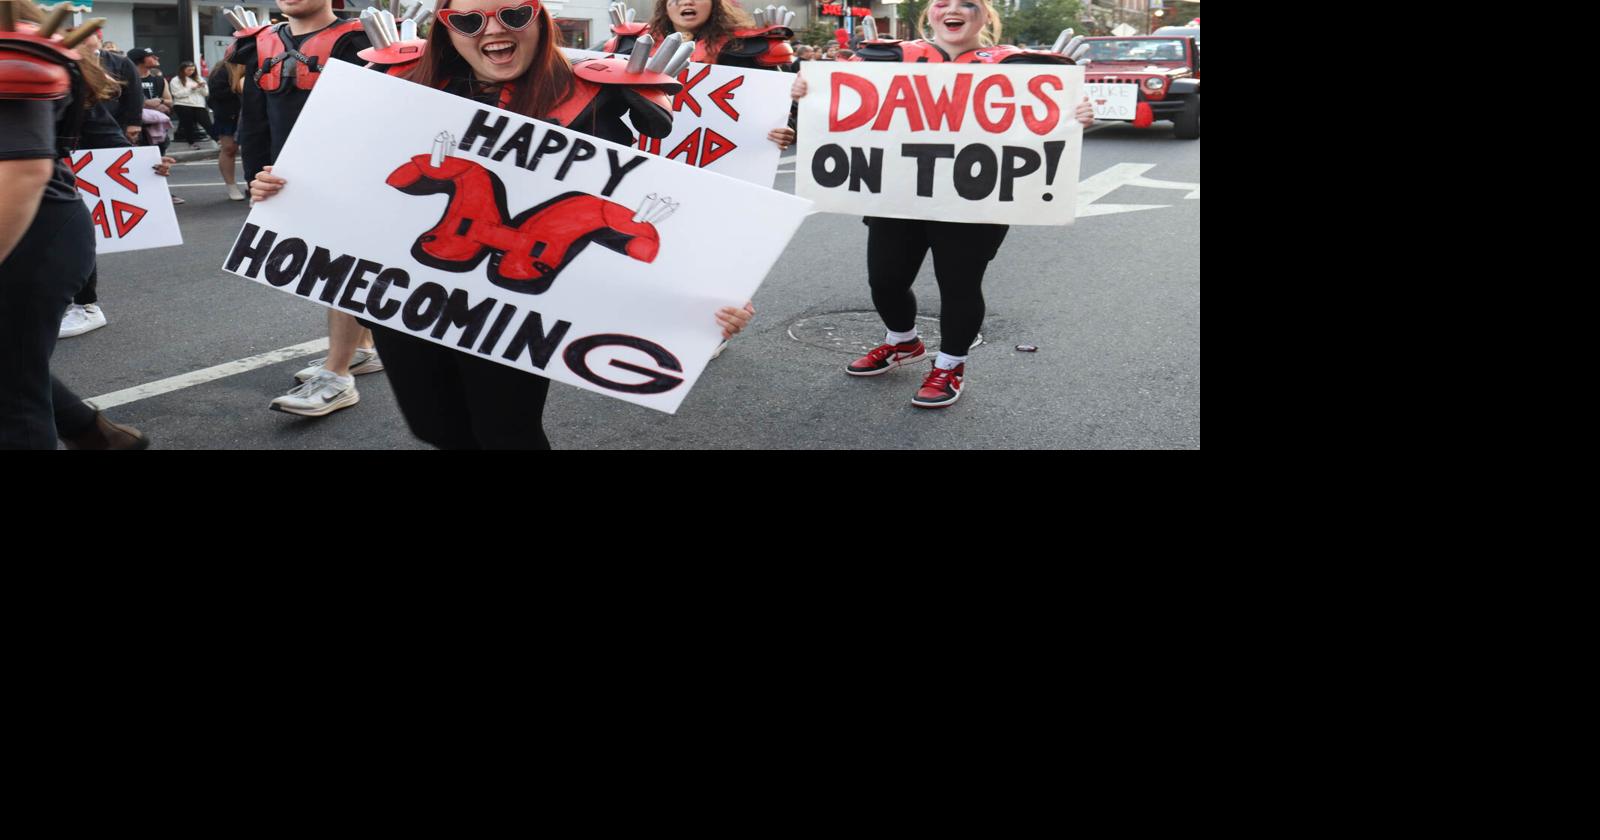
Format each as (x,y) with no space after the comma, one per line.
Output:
(366,361)
(321,394)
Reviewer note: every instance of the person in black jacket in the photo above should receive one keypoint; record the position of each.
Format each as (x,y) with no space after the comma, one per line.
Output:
(226,81)
(105,127)
(46,238)
(277,84)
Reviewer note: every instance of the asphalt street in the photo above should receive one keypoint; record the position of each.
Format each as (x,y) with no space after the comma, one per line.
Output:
(1112,303)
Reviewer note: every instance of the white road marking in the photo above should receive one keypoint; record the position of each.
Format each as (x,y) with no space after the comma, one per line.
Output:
(1100,185)
(1090,190)
(200,377)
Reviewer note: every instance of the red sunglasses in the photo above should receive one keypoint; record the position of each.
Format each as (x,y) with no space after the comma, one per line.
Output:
(472,24)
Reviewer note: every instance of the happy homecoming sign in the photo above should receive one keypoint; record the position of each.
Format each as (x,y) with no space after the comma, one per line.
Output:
(511,238)
(943,142)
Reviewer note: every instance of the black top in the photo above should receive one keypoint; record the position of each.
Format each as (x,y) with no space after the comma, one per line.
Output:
(153,86)
(28,132)
(221,98)
(266,120)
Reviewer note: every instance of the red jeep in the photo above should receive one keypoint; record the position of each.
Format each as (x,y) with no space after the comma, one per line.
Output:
(1165,69)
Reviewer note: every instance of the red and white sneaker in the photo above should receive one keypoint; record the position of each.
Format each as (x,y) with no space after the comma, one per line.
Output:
(887,357)
(940,388)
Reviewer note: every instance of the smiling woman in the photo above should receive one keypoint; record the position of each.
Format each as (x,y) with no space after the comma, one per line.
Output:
(504,53)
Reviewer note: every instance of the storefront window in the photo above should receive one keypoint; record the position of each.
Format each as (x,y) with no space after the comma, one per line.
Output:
(574,33)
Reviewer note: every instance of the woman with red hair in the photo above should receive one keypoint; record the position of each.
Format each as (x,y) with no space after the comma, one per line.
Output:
(722,33)
(504,53)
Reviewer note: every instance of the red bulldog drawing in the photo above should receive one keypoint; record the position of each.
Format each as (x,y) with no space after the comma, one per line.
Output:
(526,253)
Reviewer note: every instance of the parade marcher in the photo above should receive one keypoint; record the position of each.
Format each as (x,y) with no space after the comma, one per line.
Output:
(225,84)
(722,33)
(46,239)
(282,63)
(963,32)
(189,92)
(509,56)
(102,129)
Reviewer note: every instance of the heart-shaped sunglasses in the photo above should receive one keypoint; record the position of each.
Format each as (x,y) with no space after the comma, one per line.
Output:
(472,24)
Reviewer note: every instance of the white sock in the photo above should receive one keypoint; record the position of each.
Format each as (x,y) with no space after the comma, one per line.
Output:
(342,380)
(949,362)
(900,338)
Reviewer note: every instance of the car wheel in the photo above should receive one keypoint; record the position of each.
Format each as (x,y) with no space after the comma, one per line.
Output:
(1186,126)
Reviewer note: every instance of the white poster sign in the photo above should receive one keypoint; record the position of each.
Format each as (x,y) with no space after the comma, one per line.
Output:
(128,202)
(945,142)
(510,238)
(1112,102)
(721,118)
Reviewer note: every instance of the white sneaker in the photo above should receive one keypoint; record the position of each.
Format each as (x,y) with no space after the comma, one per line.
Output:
(81,319)
(321,394)
(234,194)
(366,361)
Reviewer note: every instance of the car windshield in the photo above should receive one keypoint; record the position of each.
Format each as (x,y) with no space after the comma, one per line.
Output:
(1135,50)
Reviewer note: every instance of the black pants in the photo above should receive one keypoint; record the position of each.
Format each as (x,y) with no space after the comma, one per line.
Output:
(454,400)
(37,283)
(73,415)
(961,253)
(90,293)
(188,117)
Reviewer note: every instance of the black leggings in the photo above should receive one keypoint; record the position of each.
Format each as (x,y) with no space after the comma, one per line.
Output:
(37,283)
(90,293)
(961,253)
(454,400)
(188,116)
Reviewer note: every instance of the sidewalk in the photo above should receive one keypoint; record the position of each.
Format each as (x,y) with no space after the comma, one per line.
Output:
(181,151)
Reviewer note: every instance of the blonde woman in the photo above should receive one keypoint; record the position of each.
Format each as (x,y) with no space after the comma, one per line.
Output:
(965,32)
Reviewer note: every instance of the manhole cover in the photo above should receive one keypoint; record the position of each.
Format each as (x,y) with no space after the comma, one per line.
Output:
(854,333)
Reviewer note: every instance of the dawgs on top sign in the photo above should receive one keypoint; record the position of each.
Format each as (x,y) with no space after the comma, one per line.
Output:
(944,142)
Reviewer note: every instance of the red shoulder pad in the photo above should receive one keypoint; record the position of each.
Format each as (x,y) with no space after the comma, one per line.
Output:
(614,71)
(398,54)
(251,32)
(767,47)
(893,49)
(780,33)
(1034,57)
(32,67)
(629,30)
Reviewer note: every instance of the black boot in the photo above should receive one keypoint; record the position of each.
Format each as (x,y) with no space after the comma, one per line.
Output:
(104,434)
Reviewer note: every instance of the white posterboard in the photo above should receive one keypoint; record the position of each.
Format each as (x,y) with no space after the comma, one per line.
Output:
(1112,101)
(721,118)
(510,238)
(128,202)
(944,142)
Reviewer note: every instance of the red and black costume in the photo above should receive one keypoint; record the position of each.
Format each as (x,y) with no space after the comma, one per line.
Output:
(896,248)
(763,48)
(927,52)
(456,400)
(41,112)
(280,70)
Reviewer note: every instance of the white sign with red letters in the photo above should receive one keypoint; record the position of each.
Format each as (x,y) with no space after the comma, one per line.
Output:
(128,202)
(1112,101)
(943,142)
